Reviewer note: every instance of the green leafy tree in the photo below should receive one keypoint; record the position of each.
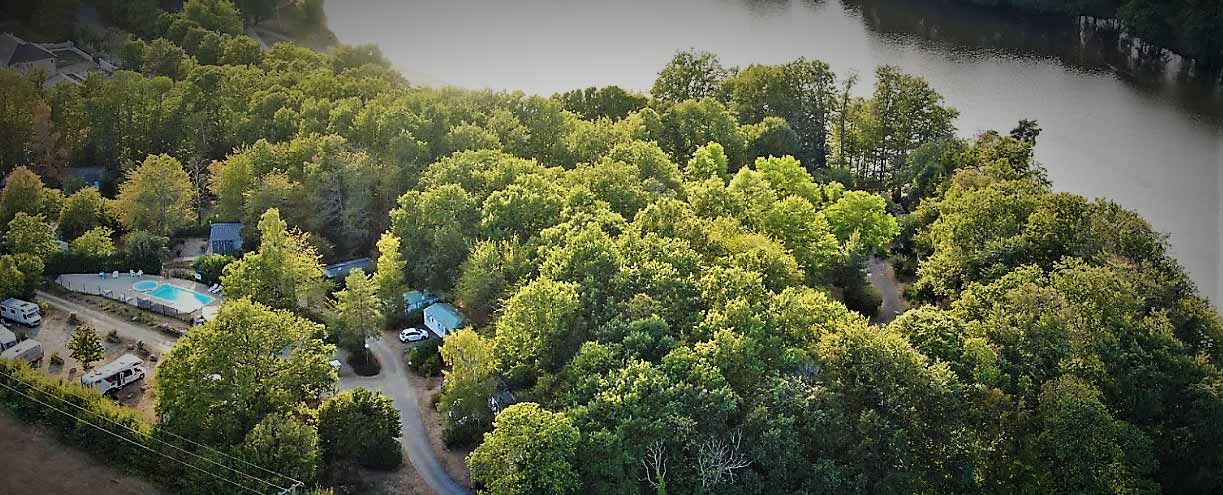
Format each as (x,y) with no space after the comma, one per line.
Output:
(357,311)
(30,235)
(83,210)
(864,215)
(163,58)
(224,377)
(283,273)
(283,444)
(85,346)
(390,281)
(24,192)
(157,197)
(215,15)
(354,422)
(96,243)
(464,399)
(535,327)
(531,450)
(18,99)
(690,75)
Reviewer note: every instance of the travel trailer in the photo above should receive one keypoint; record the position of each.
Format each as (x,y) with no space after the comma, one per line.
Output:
(28,350)
(7,338)
(23,312)
(114,375)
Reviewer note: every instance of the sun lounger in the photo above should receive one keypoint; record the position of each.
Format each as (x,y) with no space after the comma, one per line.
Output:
(214,287)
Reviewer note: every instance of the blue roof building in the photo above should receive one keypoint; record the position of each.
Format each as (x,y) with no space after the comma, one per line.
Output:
(340,270)
(415,300)
(443,318)
(225,238)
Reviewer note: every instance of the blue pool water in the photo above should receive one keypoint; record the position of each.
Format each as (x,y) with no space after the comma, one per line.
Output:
(181,296)
(145,285)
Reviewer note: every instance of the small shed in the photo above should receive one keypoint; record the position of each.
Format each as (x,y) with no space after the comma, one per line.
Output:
(443,318)
(340,270)
(225,238)
(415,300)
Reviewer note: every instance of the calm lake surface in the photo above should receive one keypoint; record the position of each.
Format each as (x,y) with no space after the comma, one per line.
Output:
(1116,125)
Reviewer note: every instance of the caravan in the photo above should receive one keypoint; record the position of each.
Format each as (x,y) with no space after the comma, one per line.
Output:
(7,338)
(24,312)
(28,350)
(114,375)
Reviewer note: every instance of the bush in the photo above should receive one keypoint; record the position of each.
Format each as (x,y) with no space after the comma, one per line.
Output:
(425,359)
(385,455)
(211,266)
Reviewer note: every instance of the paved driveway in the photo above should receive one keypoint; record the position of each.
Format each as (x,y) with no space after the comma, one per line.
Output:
(393,382)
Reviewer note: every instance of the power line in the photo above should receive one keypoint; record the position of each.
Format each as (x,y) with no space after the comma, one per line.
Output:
(133,442)
(150,437)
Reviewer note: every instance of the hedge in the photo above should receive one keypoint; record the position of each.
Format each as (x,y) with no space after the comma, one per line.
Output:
(37,398)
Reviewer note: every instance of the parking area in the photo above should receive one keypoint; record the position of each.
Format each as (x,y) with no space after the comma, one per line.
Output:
(55,333)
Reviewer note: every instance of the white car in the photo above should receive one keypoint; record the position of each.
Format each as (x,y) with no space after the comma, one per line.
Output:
(413,335)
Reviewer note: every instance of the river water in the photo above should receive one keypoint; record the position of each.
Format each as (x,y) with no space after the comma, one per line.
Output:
(1118,124)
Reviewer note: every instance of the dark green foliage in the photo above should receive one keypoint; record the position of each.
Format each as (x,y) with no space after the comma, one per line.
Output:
(385,455)
(425,359)
(610,101)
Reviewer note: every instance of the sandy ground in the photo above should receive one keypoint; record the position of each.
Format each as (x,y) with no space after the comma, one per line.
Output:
(54,334)
(36,463)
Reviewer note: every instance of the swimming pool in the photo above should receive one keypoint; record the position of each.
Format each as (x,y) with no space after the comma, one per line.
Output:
(145,285)
(180,296)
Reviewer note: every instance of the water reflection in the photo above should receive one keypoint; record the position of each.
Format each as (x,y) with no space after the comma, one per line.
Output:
(1084,45)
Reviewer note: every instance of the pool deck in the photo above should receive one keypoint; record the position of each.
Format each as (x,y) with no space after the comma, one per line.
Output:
(121,289)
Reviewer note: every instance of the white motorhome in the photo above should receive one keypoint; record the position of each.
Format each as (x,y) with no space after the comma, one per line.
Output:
(28,350)
(7,338)
(114,375)
(24,312)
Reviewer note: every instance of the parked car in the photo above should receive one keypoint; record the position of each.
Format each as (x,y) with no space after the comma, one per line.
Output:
(413,335)
(24,312)
(28,350)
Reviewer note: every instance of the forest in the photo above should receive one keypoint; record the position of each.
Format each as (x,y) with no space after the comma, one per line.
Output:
(671,284)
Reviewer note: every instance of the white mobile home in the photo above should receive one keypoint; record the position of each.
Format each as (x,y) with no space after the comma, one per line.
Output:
(24,312)
(28,350)
(114,375)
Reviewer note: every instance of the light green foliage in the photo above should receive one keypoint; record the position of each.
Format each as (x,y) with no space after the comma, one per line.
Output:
(357,311)
(284,273)
(224,377)
(864,215)
(215,15)
(389,280)
(530,450)
(30,235)
(85,346)
(157,197)
(469,383)
(534,327)
(96,243)
(24,193)
(84,210)
(709,161)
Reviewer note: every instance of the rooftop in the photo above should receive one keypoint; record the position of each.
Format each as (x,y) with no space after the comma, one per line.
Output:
(222,231)
(14,50)
(341,269)
(112,367)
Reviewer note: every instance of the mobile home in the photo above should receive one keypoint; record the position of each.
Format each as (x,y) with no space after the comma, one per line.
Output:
(28,350)
(24,312)
(114,375)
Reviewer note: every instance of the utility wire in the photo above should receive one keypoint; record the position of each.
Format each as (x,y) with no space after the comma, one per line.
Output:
(150,437)
(133,442)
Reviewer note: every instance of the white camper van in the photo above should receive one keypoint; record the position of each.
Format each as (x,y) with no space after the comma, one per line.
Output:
(24,312)
(28,350)
(7,338)
(114,375)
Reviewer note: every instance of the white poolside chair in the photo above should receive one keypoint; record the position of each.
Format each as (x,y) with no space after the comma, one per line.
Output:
(115,274)
(131,273)
(218,291)
(214,287)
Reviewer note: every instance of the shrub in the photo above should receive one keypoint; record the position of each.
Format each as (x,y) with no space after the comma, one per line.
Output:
(425,359)
(210,267)
(385,455)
